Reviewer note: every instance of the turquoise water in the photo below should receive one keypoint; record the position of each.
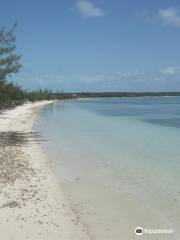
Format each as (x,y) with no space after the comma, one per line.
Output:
(118,161)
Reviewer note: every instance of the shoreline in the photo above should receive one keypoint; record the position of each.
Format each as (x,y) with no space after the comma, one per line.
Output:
(32,203)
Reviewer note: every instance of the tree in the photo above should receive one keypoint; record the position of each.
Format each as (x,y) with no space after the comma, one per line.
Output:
(9,61)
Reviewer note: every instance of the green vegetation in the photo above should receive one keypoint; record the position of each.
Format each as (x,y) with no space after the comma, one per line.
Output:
(9,61)
(12,95)
(125,94)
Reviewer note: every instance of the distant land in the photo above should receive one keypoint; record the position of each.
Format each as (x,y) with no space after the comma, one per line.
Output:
(122,94)
(13,95)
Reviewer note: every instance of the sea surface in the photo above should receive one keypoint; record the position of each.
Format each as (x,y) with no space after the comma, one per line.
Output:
(118,161)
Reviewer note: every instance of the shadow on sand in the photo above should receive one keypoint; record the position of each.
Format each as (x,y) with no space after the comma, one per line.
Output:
(13,138)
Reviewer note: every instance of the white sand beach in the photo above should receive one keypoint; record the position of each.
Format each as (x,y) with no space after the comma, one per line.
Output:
(32,203)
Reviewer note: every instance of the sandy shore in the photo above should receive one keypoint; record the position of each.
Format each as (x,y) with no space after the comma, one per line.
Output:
(32,203)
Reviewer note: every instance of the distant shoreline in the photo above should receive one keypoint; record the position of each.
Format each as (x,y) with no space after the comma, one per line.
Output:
(84,95)
(122,94)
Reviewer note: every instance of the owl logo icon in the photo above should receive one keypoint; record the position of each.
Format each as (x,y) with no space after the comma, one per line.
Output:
(139,231)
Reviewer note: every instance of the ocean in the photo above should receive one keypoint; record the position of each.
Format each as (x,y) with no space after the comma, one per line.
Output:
(118,162)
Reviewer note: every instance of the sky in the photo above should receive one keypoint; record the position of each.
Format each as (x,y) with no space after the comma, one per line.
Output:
(96,45)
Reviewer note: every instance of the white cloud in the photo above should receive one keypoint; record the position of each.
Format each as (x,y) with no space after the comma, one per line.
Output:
(169,16)
(175,70)
(88,9)
(132,74)
(129,80)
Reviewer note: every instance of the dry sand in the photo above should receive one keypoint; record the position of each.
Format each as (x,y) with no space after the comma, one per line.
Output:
(32,203)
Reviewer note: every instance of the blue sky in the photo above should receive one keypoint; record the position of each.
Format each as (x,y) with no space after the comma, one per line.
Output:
(96,45)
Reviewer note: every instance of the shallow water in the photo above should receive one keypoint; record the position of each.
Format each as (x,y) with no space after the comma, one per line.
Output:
(118,161)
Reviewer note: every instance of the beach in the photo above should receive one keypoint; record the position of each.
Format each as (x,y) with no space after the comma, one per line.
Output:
(84,169)
(32,202)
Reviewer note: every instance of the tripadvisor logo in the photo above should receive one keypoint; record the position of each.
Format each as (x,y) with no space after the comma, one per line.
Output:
(139,231)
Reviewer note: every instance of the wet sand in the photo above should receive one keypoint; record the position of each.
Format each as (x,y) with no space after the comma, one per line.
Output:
(32,202)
